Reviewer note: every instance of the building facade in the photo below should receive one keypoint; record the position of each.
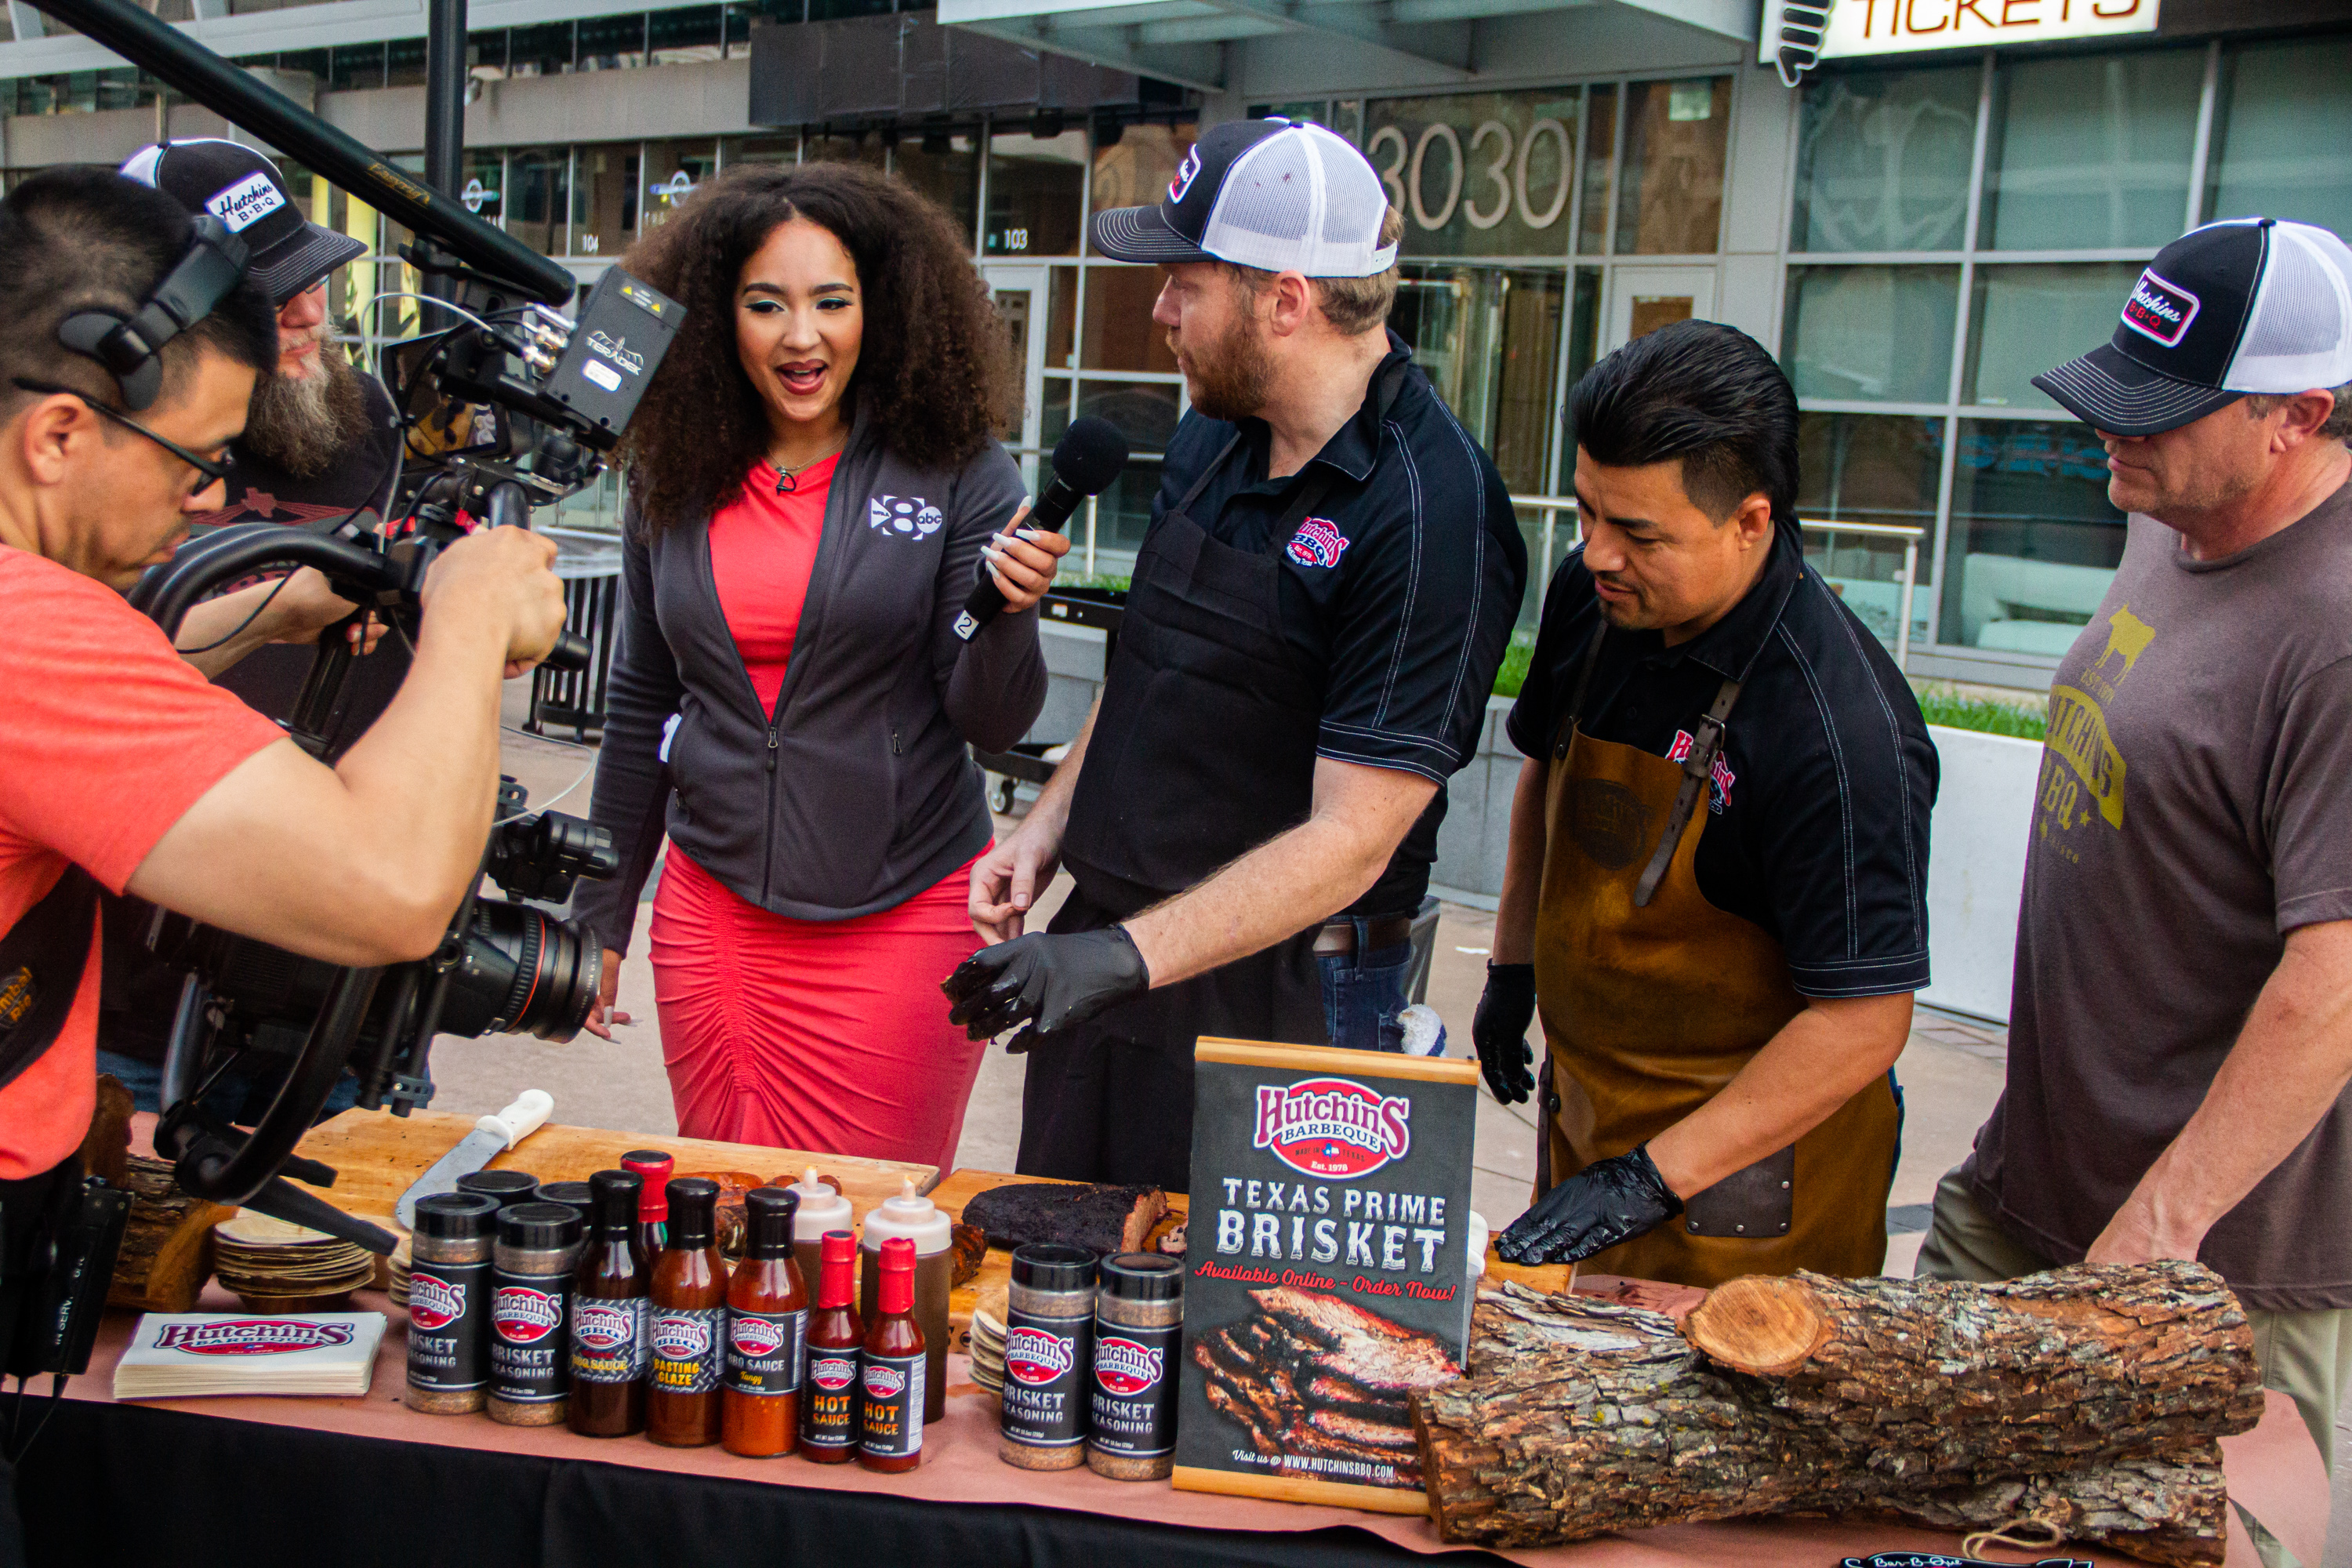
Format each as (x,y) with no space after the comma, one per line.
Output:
(1914,233)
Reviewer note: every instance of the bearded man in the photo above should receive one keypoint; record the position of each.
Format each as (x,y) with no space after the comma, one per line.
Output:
(1316,615)
(319,450)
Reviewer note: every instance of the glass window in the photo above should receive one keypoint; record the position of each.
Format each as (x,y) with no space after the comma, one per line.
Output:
(1119,333)
(1670,200)
(1315,111)
(833,10)
(684,35)
(859,149)
(539,181)
(1878,468)
(317,63)
(1135,164)
(1883,334)
(1599,148)
(2033,541)
(118,89)
(1035,190)
(674,172)
(613,43)
(1486,173)
(1061,318)
(604,199)
(405,63)
(2280,134)
(544,50)
(1883,160)
(354,68)
(737,150)
(947,169)
(2024,320)
(2091,151)
(1146,414)
(1488,340)
(484,189)
(741,16)
(486,53)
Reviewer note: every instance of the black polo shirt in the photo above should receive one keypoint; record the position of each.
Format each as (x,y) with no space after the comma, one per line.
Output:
(1402,585)
(1819,824)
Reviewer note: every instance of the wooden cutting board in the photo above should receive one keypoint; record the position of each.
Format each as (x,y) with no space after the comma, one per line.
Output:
(377,1156)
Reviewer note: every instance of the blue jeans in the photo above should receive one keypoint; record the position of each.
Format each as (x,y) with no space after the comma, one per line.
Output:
(229,1098)
(1363,992)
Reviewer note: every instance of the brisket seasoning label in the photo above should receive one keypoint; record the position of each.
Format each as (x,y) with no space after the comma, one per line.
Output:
(890,1407)
(1133,1400)
(1326,1262)
(1046,1365)
(529,1345)
(829,1413)
(447,1321)
(764,1350)
(686,1354)
(612,1341)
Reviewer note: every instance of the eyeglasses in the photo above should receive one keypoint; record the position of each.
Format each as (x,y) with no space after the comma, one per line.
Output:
(215,471)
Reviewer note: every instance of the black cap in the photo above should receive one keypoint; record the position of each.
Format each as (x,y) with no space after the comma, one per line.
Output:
(612,1201)
(1052,1265)
(692,1200)
(510,1187)
(1143,1277)
(539,1228)
(456,1216)
(244,190)
(571,1195)
(770,1212)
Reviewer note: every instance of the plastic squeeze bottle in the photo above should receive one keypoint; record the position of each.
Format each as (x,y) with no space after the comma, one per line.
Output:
(916,1219)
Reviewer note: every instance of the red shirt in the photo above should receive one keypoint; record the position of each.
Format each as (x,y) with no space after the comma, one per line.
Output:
(106,738)
(762,549)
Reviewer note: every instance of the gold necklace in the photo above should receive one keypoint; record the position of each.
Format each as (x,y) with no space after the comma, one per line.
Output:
(789,479)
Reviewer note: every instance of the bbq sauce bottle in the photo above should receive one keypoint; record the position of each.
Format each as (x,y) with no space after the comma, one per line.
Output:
(891,1376)
(612,1317)
(767,1321)
(689,1302)
(836,1339)
(653,1204)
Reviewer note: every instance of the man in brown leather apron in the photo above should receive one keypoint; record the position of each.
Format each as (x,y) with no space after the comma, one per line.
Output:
(1316,617)
(1715,893)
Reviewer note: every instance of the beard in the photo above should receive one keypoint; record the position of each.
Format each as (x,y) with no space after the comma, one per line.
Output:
(1233,375)
(304,427)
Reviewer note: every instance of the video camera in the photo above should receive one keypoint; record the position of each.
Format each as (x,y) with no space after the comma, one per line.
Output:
(513,406)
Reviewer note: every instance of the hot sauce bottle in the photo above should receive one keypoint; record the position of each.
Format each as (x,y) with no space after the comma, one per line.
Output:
(612,1318)
(890,1377)
(766,1324)
(689,1302)
(653,1203)
(836,1341)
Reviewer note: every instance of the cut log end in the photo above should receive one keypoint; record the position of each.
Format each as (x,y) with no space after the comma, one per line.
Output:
(1769,1327)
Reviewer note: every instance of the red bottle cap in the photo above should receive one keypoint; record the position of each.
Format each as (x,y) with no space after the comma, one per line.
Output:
(836,1279)
(897,1276)
(653,1202)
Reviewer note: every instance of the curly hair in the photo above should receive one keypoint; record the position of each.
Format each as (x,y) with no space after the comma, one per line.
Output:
(935,366)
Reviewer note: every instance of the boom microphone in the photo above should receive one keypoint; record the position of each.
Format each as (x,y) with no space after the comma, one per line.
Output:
(1086,458)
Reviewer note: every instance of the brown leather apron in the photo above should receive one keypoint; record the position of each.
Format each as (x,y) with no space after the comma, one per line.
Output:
(1651,1006)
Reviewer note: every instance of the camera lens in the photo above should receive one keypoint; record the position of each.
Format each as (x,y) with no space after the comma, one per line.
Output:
(523,971)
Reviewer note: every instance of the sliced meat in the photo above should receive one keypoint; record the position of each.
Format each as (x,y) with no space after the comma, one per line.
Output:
(1355,1429)
(1330,1321)
(1360,1347)
(1321,1391)
(968,1243)
(1108,1218)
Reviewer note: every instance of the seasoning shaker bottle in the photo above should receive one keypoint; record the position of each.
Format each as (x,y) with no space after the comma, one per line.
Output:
(1049,1336)
(767,1328)
(890,1375)
(530,1314)
(823,1209)
(571,1196)
(449,1303)
(836,1339)
(612,1315)
(1138,1321)
(689,1302)
(911,1217)
(508,1187)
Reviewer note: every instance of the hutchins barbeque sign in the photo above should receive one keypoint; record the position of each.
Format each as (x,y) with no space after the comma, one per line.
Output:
(251,1336)
(1329,1268)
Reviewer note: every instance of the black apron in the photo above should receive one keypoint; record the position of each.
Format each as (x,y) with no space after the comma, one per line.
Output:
(1203,750)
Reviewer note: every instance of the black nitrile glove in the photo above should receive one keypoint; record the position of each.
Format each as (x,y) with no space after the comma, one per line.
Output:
(1047,982)
(1607,1202)
(1499,1030)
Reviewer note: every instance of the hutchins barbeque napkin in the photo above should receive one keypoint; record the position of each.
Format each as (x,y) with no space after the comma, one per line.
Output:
(181,1355)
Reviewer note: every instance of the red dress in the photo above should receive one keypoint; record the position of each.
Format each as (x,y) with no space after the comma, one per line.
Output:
(829,1036)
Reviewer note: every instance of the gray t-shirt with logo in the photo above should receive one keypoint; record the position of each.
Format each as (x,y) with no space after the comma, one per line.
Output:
(2194,806)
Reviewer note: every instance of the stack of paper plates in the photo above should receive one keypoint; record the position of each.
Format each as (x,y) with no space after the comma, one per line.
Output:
(186,1355)
(400,1261)
(274,1266)
(988,1349)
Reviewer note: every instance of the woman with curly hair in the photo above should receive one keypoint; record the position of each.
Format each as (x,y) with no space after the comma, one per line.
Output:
(814,484)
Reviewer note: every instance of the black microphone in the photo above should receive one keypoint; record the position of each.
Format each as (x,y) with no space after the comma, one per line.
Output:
(1085,460)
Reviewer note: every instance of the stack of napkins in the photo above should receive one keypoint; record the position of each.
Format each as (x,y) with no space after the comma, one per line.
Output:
(184,1354)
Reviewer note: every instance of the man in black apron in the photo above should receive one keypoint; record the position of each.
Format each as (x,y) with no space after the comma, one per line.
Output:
(1315,618)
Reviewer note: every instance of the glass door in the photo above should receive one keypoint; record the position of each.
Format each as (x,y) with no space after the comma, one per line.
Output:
(1019,296)
(1644,299)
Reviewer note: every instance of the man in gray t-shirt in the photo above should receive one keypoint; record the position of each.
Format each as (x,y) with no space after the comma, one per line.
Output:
(2181,1034)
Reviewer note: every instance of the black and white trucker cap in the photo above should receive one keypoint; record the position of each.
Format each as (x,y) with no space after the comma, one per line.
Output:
(2249,305)
(1276,194)
(244,190)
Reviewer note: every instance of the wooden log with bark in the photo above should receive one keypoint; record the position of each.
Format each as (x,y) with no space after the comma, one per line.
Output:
(167,1246)
(1580,1418)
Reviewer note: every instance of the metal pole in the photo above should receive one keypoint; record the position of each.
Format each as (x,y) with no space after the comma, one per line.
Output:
(1903,627)
(444,120)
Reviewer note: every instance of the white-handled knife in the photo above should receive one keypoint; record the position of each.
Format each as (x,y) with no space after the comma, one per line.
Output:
(491,1137)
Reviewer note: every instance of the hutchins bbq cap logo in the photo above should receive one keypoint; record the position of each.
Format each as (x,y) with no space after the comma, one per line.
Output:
(523,1315)
(433,1302)
(755,1337)
(247,203)
(601,1328)
(884,1382)
(1332,1127)
(1121,1366)
(252,1336)
(1318,542)
(1035,1357)
(832,1372)
(678,1337)
(2161,308)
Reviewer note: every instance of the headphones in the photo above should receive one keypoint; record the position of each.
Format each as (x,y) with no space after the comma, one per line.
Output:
(207,270)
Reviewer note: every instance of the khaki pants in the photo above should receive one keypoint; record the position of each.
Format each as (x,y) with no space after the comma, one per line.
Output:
(2308,1356)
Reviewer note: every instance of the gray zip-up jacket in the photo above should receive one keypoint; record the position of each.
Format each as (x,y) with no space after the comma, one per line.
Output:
(856,792)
